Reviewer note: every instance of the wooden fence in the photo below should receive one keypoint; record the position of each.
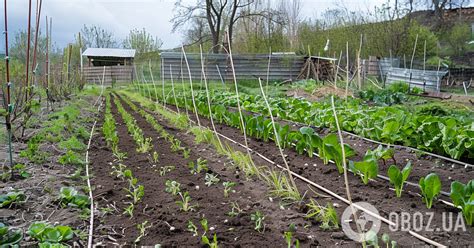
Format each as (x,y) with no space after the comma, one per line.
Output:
(248,66)
(118,74)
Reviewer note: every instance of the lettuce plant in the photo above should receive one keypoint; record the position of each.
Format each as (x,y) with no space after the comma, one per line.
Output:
(367,169)
(44,232)
(462,196)
(430,187)
(12,197)
(398,178)
(9,237)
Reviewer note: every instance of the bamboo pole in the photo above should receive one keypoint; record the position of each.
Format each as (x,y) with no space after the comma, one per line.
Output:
(268,69)
(346,179)
(28,46)
(35,48)
(172,89)
(337,70)
(163,81)
(153,81)
(184,86)
(347,68)
(209,100)
(277,139)
(191,83)
(8,96)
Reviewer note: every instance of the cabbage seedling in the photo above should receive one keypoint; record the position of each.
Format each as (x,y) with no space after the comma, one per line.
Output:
(462,196)
(228,188)
(430,188)
(398,178)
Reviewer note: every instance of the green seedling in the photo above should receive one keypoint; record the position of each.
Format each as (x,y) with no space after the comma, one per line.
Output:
(20,169)
(235,211)
(69,196)
(201,165)
(398,178)
(211,179)
(12,197)
(145,145)
(142,229)
(136,193)
(186,153)
(10,237)
(155,157)
(192,228)
(228,188)
(289,237)
(129,210)
(172,187)
(462,196)
(430,187)
(185,202)
(166,169)
(258,219)
(44,232)
(327,216)
(366,169)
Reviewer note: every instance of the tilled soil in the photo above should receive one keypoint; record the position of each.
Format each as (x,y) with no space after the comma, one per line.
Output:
(160,210)
(378,193)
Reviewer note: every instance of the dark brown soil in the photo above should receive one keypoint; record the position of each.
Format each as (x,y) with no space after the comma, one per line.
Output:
(160,210)
(378,193)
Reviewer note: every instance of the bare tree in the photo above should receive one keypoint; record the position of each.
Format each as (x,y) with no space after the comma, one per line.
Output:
(291,12)
(219,14)
(97,37)
(142,41)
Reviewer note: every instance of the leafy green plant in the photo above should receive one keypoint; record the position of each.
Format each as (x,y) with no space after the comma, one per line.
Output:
(388,242)
(69,196)
(430,187)
(258,219)
(204,239)
(289,237)
(201,165)
(172,187)
(10,237)
(144,145)
(381,153)
(20,169)
(327,216)
(186,153)
(12,197)
(142,230)
(235,210)
(462,196)
(136,193)
(185,202)
(228,188)
(155,157)
(165,169)
(129,209)
(44,232)
(71,158)
(211,179)
(192,228)
(331,149)
(281,186)
(398,178)
(212,244)
(366,169)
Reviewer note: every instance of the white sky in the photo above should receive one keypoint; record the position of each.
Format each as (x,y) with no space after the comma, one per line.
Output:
(120,16)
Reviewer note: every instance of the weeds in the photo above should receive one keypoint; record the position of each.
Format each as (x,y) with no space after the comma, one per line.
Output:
(327,216)
(258,219)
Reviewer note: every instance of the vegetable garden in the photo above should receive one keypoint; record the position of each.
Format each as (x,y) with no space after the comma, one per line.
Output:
(211,164)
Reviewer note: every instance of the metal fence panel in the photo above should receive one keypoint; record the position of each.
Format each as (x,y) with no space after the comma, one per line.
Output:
(248,66)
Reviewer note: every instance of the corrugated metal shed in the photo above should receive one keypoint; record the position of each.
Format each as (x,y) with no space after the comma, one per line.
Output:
(428,80)
(247,66)
(109,52)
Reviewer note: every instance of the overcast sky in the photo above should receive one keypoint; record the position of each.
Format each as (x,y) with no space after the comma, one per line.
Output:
(120,16)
